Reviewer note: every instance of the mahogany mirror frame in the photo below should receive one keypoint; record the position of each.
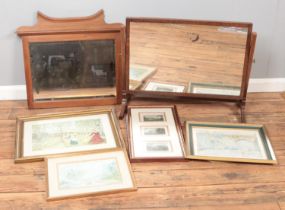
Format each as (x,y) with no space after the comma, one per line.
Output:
(94,27)
(248,60)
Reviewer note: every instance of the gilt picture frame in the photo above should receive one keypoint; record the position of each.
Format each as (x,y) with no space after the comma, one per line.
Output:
(80,175)
(154,134)
(228,142)
(61,133)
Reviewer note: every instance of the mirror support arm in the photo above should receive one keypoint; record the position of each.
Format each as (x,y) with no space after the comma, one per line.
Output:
(242,111)
(124,106)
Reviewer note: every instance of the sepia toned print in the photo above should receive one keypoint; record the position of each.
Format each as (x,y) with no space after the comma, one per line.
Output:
(158,146)
(152,117)
(154,131)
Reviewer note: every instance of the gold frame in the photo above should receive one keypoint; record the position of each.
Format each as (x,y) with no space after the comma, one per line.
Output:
(19,158)
(243,160)
(134,188)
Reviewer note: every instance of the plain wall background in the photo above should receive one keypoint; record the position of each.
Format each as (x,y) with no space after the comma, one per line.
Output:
(268,17)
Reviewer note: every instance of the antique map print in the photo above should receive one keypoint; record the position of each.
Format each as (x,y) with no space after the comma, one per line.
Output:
(222,142)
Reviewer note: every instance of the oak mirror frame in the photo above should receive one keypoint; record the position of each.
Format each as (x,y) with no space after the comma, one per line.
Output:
(176,91)
(73,61)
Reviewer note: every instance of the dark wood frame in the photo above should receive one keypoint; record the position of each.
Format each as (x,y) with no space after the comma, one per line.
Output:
(239,100)
(73,29)
(150,159)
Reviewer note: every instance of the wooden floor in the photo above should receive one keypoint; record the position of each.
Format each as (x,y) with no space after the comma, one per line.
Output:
(194,185)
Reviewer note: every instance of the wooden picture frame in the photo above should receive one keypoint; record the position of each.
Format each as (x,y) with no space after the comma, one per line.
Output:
(163,141)
(248,60)
(62,133)
(61,76)
(115,174)
(247,143)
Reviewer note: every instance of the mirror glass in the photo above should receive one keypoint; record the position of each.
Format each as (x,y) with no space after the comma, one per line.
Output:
(73,69)
(186,58)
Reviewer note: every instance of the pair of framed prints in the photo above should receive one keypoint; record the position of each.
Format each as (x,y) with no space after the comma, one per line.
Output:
(140,78)
(84,152)
(156,134)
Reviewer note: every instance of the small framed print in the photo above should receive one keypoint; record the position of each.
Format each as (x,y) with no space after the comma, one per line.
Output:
(228,142)
(139,73)
(152,117)
(50,134)
(154,133)
(211,88)
(88,174)
(163,87)
(151,131)
(159,146)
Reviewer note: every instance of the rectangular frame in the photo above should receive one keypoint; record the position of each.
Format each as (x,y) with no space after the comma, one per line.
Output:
(263,135)
(19,145)
(173,109)
(69,102)
(128,173)
(246,69)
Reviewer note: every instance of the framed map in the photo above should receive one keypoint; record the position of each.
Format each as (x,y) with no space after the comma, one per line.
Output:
(228,142)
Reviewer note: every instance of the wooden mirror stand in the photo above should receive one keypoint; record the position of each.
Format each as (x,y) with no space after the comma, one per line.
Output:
(239,100)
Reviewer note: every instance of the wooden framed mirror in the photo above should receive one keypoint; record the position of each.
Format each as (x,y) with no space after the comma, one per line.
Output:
(73,61)
(188,60)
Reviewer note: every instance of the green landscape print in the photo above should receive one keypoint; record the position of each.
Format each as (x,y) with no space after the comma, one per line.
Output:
(89,174)
(67,134)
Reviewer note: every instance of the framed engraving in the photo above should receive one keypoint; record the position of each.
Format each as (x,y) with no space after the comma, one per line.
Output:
(154,133)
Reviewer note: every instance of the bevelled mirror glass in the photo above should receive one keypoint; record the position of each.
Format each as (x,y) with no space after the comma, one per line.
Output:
(187,57)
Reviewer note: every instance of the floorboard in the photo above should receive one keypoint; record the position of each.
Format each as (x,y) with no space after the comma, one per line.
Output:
(194,185)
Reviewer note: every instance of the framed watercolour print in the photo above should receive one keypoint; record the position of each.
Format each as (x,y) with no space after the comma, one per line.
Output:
(140,73)
(228,142)
(88,174)
(211,88)
(45,135)
(73,61)
(154,133)
(163,87)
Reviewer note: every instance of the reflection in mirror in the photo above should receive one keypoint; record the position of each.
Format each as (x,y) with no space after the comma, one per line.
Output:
(73,69)
(186,58)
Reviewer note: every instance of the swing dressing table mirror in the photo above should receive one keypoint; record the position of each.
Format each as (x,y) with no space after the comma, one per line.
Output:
(188,60)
